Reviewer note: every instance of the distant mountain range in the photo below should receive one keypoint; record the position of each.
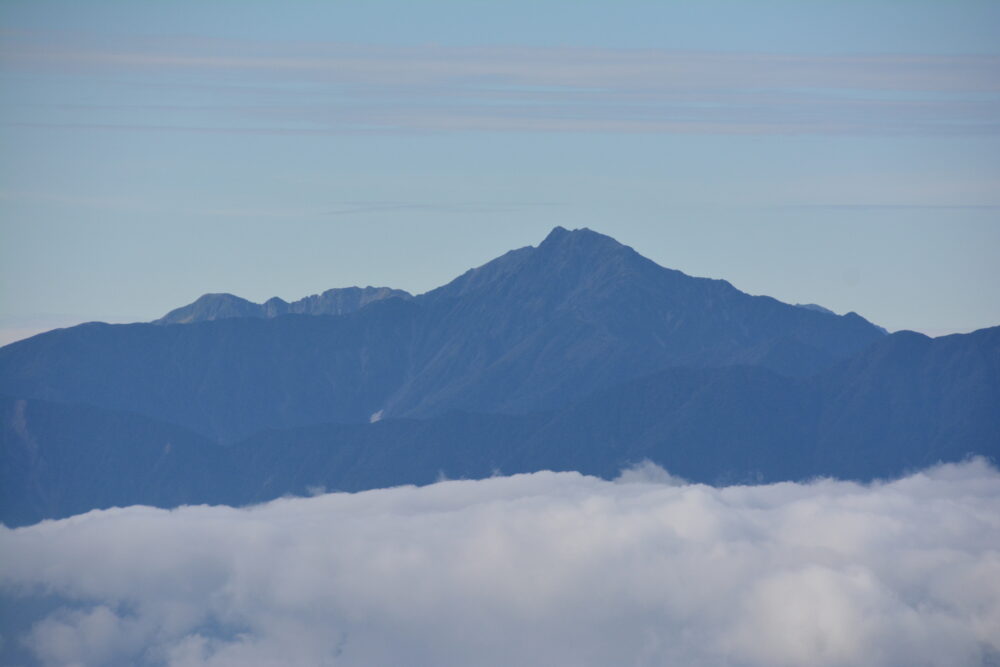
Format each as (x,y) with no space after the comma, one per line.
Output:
(532,330)
(577,354)
(331,302)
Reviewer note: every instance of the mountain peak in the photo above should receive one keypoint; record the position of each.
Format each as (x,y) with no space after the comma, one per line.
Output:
(561,236)
(557,233)
(564,256)
(583,247)
(212,306)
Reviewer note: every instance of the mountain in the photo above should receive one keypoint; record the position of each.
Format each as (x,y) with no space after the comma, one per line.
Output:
(906,402)
(937,396)
(535,329)
(225,378)
(539,327)
(821,309)
(816,307)
(57,460)
(331,302)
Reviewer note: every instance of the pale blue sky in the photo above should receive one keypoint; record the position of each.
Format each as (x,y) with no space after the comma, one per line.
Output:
(845,153)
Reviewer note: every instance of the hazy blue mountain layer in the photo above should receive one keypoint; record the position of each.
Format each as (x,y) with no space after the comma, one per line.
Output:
(58,460)
(905,402)
(535,329)
(331,302)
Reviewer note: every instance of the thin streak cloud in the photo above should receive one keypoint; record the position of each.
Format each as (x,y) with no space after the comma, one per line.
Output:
(283,88)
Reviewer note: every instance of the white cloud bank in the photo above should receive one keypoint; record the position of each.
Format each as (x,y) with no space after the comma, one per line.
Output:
(541,569)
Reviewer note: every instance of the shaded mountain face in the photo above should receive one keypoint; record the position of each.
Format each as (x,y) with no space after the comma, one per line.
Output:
(226,378)
(906,402)
(541,326)
(944,392)
(57,460)
(339,301)
(538,328)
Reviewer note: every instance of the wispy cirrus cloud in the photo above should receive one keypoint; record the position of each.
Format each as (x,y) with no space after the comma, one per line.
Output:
(135,205)
(254,87)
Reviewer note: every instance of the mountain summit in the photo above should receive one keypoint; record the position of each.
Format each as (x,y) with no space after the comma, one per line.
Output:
(534,329)
(541,325)
(576,259)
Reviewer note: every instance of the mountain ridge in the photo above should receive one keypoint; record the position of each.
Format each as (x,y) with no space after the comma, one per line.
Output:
(534,329)
(907,402)
(336,301)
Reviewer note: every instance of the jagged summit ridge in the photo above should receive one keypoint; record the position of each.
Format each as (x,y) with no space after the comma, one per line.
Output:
(338,301)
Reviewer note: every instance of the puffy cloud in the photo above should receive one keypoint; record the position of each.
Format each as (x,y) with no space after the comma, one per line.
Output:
(540,569)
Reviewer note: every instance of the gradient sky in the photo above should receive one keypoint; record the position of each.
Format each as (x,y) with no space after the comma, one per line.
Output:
(844,153)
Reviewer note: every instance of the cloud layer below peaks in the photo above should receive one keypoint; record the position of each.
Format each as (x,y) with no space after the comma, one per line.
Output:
(538,569)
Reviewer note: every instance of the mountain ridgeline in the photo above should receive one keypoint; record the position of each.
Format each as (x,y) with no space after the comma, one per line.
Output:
(577,354)
(535,329)
(331,302)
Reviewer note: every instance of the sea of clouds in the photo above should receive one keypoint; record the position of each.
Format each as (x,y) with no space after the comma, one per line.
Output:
(539,569)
